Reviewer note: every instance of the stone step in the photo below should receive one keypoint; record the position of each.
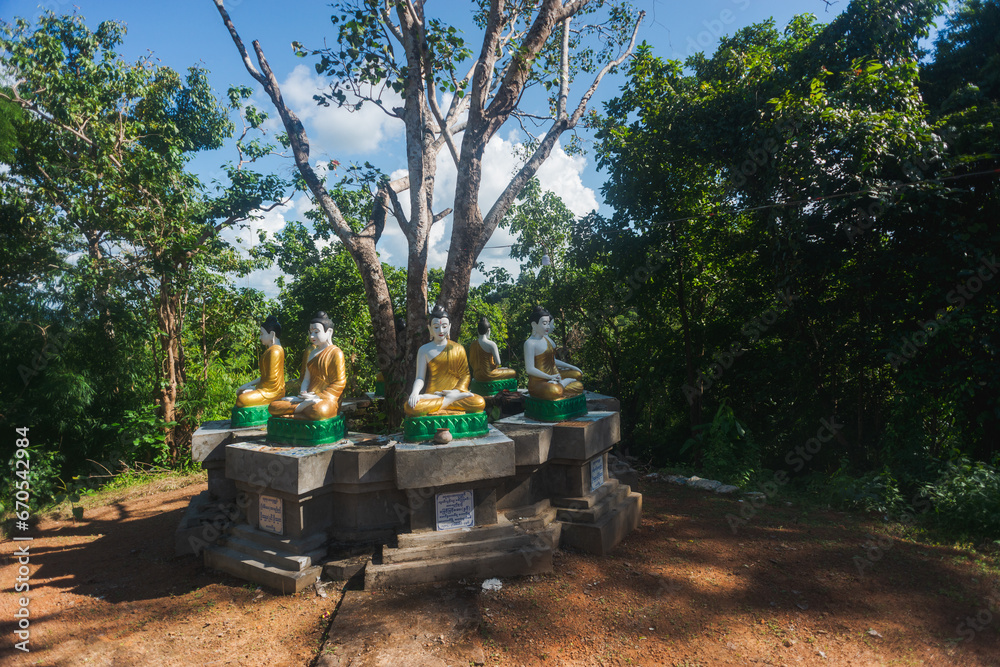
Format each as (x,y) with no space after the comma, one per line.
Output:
(484,565)
(534,522)
(606,533)
(245,567)
(434,537)
(589,500)
(297,546)
(595,513)
(512,542)
(275,557)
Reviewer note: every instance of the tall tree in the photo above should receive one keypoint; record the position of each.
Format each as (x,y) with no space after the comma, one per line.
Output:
(397,45)
(102,145)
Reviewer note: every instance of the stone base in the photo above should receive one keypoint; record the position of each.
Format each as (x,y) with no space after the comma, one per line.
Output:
(493,387)
(209,442)
(203,524)
(256,415)
(304,432)
(470,425)
(505,549)
(283,565)
(598,522)
(555,411)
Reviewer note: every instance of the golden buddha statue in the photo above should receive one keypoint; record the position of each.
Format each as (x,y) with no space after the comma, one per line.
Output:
(549,379)
(484,357)
(442,382)
(324,377)
(271,383)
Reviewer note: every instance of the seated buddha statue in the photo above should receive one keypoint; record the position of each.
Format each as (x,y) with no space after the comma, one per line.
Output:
(271,383)
(549,379)
(442,382)
(484,357)
(323,377)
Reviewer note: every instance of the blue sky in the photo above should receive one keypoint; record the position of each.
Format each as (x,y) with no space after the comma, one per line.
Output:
(188,32)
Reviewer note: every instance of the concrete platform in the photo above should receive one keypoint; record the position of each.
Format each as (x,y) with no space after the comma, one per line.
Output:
(420,465)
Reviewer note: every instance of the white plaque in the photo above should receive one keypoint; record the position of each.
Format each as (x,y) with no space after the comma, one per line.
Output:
(271,518)
(597,473)
(455,510)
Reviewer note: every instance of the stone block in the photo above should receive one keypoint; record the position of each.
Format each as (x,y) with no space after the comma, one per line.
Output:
(461,461)
(422,512)
(343,569)
(251,569)
(532,439)
(584,437)
(601,403)
(608,531)
(210,440)
(570,478)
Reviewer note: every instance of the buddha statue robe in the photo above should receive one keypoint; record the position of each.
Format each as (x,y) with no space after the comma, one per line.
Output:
(552,391)
(484,366)
(448,370)
(272,379)
(327,379)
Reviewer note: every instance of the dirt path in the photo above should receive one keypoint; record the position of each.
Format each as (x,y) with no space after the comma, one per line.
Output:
(683,590)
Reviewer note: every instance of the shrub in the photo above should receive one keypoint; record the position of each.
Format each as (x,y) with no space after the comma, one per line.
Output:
(966,500)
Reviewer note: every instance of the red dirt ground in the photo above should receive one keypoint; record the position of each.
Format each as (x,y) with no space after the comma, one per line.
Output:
(683,590)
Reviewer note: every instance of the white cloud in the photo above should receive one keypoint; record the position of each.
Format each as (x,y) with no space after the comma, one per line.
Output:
(335,131)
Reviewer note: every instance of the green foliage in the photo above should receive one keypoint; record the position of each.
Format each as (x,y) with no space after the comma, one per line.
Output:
(723,448)
(873,491)
(966,500)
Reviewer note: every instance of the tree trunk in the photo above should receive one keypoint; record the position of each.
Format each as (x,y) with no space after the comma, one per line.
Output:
(169,321)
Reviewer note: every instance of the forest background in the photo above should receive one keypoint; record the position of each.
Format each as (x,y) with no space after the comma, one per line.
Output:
(798,274)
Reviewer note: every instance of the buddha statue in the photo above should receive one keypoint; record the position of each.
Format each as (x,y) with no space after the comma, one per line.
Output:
(442,382)
(484,357)
(548,378)
(271,383)
(323,377)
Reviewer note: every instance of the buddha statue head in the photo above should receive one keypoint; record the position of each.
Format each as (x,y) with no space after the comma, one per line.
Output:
(270,331)
(541,322)
(320,330)
(484,326)
(439,325)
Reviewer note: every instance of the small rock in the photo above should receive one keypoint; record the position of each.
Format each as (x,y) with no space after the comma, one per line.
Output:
(705,484)
(790,642)
(821,654)
(727,488)
(492,585)
(874,633)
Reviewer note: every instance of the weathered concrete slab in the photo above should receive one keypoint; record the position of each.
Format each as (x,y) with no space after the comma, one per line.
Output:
(295,470)
(209,441)
(461,461)
(432,625)
(601,403)
(532,439)
(608,531)
(584,437)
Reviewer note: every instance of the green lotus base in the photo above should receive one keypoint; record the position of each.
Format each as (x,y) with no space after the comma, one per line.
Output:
(470,425)
(555,411)
(492,388)
(305,433)
(255,415)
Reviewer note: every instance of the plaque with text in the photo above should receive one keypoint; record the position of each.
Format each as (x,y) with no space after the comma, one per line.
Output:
(455,510)
(271,517)
(597,473)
